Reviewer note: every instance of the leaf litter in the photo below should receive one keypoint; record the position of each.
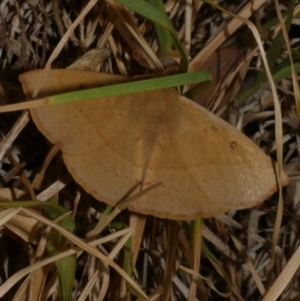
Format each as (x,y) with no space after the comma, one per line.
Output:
(31,36)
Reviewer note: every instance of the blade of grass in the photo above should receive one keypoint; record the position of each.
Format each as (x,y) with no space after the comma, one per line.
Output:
(285,29)
(151,13)
(283,280)
(279,72)
(62,42)
(120,89)
(164,36)
(53,210)
(276,46)
(56,243)
(196,255)
(132,87)
(272,56)
(66,267)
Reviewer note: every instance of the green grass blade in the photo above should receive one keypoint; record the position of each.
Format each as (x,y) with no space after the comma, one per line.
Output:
(276,46)
(56,244)
(66,270)
(132,87)
(272,55)
(164,36)
(158,17)
(279,73)
(209,254)
(285,71)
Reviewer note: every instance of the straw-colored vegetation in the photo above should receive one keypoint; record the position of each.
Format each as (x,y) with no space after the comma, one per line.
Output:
(58,243)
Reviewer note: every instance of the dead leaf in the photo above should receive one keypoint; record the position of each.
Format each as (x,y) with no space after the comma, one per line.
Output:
(110,145)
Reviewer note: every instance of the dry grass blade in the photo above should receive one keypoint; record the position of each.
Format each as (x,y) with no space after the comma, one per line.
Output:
(249,264)
(36,183)
(7,215)
(208,281)
(127,27)
(15,131)
(61,44)
(284,278)
(196,255)
(54,188)
(245,13)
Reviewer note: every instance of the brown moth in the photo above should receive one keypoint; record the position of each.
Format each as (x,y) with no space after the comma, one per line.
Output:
(117,146)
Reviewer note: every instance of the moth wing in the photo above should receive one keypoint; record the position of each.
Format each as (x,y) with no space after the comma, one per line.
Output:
(206,167)
(98,141)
